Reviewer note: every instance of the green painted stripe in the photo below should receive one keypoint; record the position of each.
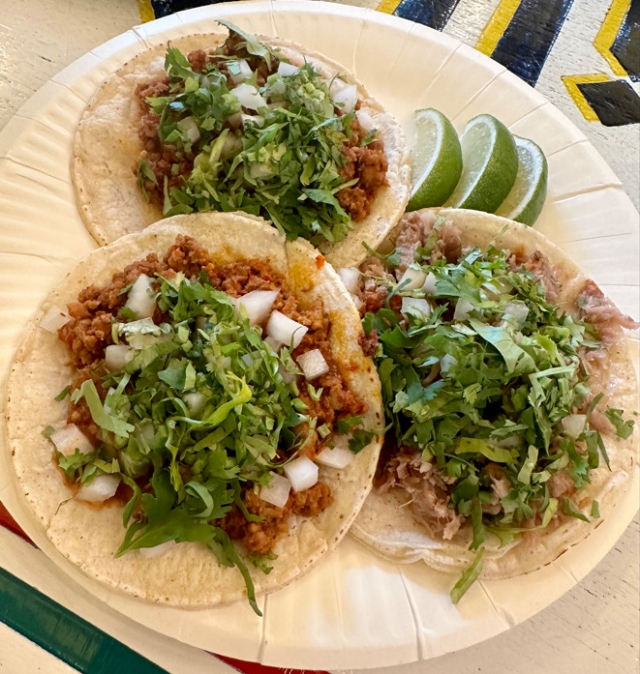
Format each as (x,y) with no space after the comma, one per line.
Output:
(64,634)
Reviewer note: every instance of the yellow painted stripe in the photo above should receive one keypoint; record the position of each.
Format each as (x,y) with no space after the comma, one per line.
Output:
(388,6)
(572,81)
(496,26)
(607,34)
(146,11)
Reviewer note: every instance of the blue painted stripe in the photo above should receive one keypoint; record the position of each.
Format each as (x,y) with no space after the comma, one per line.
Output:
(64,634)
(432,13)
(528,39)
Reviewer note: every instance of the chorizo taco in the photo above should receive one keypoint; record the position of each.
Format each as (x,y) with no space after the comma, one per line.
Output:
(223,123)
(509,394)
(207,425)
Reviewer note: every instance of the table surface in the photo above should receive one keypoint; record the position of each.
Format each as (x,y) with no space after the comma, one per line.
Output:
(594,628)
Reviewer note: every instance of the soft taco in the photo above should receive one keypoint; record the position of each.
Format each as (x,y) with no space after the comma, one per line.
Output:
(213,122)
(509,394)
(191,417)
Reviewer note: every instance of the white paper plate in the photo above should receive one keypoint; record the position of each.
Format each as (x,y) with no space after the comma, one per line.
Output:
(353,610)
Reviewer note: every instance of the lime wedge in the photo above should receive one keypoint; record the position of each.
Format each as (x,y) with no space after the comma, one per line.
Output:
(526,199)
(436,160)
(489,165)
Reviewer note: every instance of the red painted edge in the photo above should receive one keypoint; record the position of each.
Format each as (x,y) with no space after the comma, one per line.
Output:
(9,523)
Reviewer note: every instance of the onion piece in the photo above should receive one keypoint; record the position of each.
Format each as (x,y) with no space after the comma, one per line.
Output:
(366,121)
(116,356)
(412,306)
(277,491)
(285,330)
(249,97)
(157,550)
(257,304)
(517,311)
(142,299)
(190,129)
(258,120)
(54,319)
(350,276)
(69,438)
(99,489)
(574,424)
(412,279)
(195,401)
(239,70)
(345,98)
(338,457)
(313,364)
(429,285)
(302,473)
(287,69)
(463,309)
(447,362)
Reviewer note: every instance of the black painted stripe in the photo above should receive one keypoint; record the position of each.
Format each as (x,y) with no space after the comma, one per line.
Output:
(528,39)
(626,46)
(615,102)
(432,13)
(64,634)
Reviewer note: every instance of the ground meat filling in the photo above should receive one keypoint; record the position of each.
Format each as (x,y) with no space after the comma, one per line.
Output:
(365,163)
(88,333)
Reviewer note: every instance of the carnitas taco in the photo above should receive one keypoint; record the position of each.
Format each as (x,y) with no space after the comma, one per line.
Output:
(223,123)
(191,417)
(508,391)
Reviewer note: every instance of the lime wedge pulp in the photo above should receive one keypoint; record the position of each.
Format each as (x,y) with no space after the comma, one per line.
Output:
(489,165)
(526,198)
(436,160)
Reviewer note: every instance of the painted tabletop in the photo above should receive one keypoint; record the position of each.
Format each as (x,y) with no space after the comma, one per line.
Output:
(584,55)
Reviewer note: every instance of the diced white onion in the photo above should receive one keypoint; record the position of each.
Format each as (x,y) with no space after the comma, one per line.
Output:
(285,330)
(248,96)
(244,72)
(54,319)
(273,343)
(313,364)
(287,69)
(190,129)
(356,300)
(258,120)
(350,276)
(463,309)
(447,362)
(412,279)
(346,97)
(302,473)
(100,488)
(429,285)
(116,356)
(366,121)
(157,550)
(257,304)
(338,457)
(287,377)
(574,424)
(195,401)
(142,333)
(277,491)
(518,311)
(69,438)
(142,299)
(415,307)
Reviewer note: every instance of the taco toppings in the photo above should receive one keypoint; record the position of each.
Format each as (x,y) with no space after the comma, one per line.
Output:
(495,394)
(236,128)
(209,401)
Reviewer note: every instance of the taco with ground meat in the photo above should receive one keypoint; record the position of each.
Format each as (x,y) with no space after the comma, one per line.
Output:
(509,394)
(223,123)
(191,417)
